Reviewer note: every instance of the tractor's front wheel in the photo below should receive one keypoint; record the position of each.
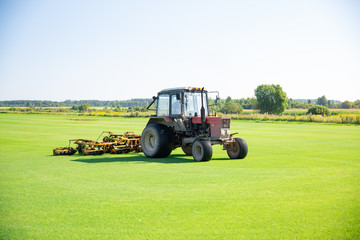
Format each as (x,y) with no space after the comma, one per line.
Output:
(156,141)
(202,150)
(240,149)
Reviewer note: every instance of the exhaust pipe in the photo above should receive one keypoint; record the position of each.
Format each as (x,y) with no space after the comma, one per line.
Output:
(202,109)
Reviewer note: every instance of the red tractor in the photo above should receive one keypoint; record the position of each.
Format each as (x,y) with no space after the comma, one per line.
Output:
(182,120)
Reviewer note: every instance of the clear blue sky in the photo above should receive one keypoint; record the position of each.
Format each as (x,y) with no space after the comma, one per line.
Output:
(108,50)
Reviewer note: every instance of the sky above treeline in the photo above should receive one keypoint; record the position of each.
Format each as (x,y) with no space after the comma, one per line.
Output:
(117,50)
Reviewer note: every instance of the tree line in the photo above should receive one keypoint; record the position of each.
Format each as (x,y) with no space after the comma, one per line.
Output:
(272,99)
(71,103)
(268,98)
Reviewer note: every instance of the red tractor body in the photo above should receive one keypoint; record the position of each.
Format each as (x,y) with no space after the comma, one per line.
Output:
(182,120)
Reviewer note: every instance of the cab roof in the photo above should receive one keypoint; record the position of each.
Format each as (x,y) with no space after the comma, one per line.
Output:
(181,89)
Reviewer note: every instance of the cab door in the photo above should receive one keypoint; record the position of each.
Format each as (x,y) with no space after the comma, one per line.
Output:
(175,105)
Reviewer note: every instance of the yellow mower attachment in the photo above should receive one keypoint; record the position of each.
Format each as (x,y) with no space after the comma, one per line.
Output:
(64,151)
(113,143)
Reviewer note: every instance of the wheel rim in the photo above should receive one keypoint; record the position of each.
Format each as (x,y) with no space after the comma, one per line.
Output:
(197,150)
(236,151)
(150,141)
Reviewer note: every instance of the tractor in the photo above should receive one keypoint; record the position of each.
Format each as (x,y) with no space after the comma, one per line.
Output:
(183,120)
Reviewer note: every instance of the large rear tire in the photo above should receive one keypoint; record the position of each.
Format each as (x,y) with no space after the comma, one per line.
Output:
(240,151)
(156,141)
(202,150)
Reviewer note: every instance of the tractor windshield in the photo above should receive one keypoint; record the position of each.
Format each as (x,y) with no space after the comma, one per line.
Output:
(192,104)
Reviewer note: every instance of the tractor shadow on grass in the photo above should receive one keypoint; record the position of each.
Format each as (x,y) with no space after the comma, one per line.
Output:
(140,158)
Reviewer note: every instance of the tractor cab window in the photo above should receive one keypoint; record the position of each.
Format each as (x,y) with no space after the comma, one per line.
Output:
(192,103)
(163,105)
(175,105)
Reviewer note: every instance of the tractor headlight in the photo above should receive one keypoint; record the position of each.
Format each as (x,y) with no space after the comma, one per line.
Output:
(225,133)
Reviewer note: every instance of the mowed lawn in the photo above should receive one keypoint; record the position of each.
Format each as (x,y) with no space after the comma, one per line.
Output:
(299,181)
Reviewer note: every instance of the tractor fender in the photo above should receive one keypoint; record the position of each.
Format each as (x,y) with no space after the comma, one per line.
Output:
(162,120)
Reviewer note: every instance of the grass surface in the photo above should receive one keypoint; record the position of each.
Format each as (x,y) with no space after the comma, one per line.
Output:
(299,181)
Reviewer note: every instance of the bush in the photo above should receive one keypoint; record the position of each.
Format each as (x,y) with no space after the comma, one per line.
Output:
(13,109)
(83,107)
(319,110)
(232,107)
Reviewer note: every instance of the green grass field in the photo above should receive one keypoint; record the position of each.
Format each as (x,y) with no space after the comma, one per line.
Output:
(299,181)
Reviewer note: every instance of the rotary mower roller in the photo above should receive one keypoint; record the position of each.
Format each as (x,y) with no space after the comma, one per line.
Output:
(112,143)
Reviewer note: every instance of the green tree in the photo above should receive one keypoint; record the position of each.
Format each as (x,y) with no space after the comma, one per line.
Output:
(232,107)
(289,103)
(322,101)
(137,108)
(254,103)
(271,99)
(83,107)
(118,108)
(346,105)
(247,103)
(357,104)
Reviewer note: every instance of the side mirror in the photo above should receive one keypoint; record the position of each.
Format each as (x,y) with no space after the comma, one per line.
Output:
(217,100)
(178,96)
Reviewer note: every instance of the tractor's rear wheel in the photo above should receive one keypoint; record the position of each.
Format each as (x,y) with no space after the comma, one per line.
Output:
(187,150)
(156,141)
(240,149)
(202,150)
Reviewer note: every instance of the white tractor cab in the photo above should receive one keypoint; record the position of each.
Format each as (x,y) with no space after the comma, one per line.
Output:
(182,120)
